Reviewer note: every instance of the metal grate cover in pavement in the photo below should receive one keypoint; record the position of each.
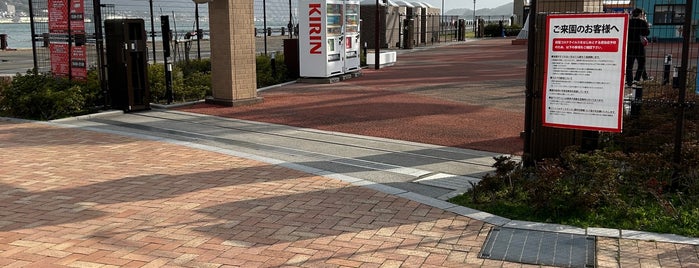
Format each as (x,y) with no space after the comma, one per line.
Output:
(539,247)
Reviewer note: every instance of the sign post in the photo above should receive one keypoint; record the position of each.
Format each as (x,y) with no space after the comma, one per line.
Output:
(584,71)
(66,22)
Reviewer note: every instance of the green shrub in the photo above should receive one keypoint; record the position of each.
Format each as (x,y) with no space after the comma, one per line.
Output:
(194,66)
(493,30)
(44,97)
(192,87)
(601,188)
(41,96)
(4,84)
(575,184)
(196,86)
(156,82)
(265,74)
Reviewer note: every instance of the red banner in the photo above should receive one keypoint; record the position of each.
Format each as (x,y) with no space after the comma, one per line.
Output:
(59,58)
(62,63)
(78,63)
(58,16)
(64,18)
(77,16)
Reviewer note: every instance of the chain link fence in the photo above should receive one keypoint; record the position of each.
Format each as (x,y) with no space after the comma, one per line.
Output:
(659,101)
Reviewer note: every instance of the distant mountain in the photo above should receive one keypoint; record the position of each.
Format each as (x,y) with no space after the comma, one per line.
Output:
(466,13)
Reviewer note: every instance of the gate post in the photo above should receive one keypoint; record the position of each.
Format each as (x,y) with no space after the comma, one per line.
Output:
(233,75)
(539,141)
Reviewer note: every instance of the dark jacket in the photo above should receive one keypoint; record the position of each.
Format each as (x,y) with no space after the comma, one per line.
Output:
(637,28)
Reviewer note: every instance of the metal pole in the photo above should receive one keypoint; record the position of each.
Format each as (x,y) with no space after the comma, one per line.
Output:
(291,23)
(152,31)
(682,84)
(377,30)
(165,29)
(31,25)
(529,91)
(264,23)
(70,40)
(99,44)
(199,34)
(474,18)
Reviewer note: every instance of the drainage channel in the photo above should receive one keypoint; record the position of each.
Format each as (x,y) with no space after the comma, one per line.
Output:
(539,247)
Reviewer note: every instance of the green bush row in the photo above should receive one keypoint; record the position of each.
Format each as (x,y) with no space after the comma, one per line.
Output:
(44,97)
(631,182)
(493,30)
(191,80)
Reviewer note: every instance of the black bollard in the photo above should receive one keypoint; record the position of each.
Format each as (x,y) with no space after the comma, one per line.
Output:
(3,41)
(273,63)
(637,101)
(666,69)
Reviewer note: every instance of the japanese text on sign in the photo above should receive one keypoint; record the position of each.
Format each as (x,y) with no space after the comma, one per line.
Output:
(589,28)
(584,68)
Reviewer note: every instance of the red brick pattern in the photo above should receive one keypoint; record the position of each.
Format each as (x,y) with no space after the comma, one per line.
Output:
(84,199)
(73,198)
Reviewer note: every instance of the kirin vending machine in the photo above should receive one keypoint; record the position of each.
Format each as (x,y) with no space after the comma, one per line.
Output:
(324,42)
(351,36)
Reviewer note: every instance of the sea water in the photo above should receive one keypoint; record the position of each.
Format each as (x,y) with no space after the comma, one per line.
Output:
(19,35)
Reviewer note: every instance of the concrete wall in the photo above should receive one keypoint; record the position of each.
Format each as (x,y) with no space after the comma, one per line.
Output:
(389,25)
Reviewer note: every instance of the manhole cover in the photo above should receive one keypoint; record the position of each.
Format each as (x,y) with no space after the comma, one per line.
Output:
(539,247)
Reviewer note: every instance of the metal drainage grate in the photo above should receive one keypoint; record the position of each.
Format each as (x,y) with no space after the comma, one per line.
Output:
(539,247)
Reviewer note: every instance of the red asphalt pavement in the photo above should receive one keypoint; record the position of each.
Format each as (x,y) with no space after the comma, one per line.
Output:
(467,95)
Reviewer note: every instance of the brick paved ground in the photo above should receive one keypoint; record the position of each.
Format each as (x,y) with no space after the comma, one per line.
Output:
(84,199)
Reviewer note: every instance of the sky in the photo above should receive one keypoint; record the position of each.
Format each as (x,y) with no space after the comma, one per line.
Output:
(452,4)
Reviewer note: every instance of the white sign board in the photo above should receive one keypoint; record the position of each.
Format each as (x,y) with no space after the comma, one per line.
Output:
(584,71)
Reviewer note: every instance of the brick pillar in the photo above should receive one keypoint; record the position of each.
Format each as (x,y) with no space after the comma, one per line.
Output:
(233,75)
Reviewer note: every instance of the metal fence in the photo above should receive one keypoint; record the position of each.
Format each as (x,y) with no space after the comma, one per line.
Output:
(185,18)
(42,37)
(659,109)
(424,30)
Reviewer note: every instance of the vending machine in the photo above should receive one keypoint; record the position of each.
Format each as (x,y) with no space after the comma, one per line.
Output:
(324,41)
(352,44)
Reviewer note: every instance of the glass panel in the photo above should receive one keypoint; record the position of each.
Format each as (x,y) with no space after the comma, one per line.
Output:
(668,14)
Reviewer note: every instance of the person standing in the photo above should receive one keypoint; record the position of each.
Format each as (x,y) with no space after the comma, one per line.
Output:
(635,46)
